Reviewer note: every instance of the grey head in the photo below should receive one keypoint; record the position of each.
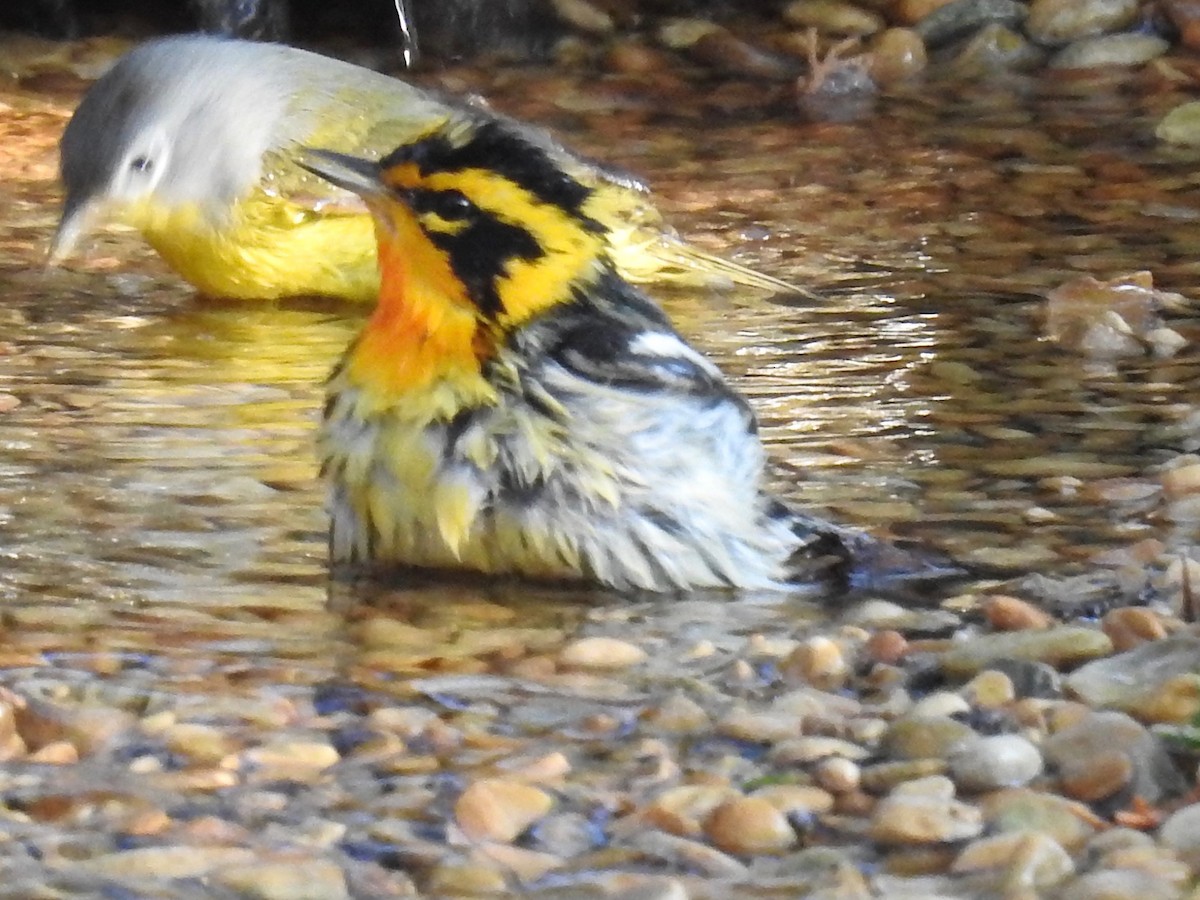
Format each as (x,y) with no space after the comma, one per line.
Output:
(180,120)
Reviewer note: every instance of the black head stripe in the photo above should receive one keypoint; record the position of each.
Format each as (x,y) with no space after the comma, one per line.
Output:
(480,253)
(500,147)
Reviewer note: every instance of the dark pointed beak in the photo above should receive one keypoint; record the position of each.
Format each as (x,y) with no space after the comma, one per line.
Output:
(352,173)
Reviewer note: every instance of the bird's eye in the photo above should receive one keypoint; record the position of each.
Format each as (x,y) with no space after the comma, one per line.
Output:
(141,164)
(451,205)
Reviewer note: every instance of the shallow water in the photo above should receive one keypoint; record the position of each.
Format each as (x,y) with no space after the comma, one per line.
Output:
(160,523)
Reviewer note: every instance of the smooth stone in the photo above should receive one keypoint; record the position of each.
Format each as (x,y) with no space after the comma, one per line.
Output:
(1089,753)
(996,48)
(682,808)
(922,737)
(1181,125)
(749,826)
(989,689)
(817,661)
(497,809)
(1069,822)
(1118,884)
(298,879)
(1005,613)
(1063,21)
(678,714)
(940,704)
(832,17)
(810,749)
(838,775)
(896,54)
(1027,857)
(908,816)
(1029,678)
(1110,50)
(601,653)
(166,862)
(759,727)
(1131,626)
(963,17)
(1060,647)
(1181,833)
(997,761)
(796,798)
(1185,16)
(1155,682)
(910,12)
(886,776)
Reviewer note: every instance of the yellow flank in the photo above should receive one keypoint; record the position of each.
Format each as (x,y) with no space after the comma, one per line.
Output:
(262,248)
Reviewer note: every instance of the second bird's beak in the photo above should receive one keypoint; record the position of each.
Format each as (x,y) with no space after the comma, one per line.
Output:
(351,173)
(77,222)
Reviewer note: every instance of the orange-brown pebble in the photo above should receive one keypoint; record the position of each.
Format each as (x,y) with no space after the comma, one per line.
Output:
(897,54)
(1181,481)
(1130,626)
(1005,613)
(1103,776)
(749,826)
(680,810)
(910,12)
(818,661)
(802,798)
(1174,701)
(838,774)
(1185,15)
(56,753)
(635,58)
(854,803)
(499,809)
(887,646)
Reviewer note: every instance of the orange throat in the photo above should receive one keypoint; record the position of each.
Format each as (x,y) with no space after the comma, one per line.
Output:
(424,337)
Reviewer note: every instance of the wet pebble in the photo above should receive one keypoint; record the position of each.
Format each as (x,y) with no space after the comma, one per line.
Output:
(832,17)
(1026,857)
(1110,50)
(963,17)
(818,661)
(996,761)
(295,879)
(1005,613)
(920,737)
(1060,646)
(496,809)
(1132,626)
(896,54)
(1154,681)
(1107,751)
(1181,833)
(924,812)
(749,826)
(1068,822)
(1063,21)
(1182,124)
(601,653)
(166,862)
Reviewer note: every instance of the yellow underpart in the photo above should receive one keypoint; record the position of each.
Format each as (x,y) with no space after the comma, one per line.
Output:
(262,248)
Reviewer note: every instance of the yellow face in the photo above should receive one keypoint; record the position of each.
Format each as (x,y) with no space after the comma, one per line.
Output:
(478,232)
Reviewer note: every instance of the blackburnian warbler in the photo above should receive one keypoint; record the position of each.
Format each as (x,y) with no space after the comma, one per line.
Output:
(192,141)
(514,405)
